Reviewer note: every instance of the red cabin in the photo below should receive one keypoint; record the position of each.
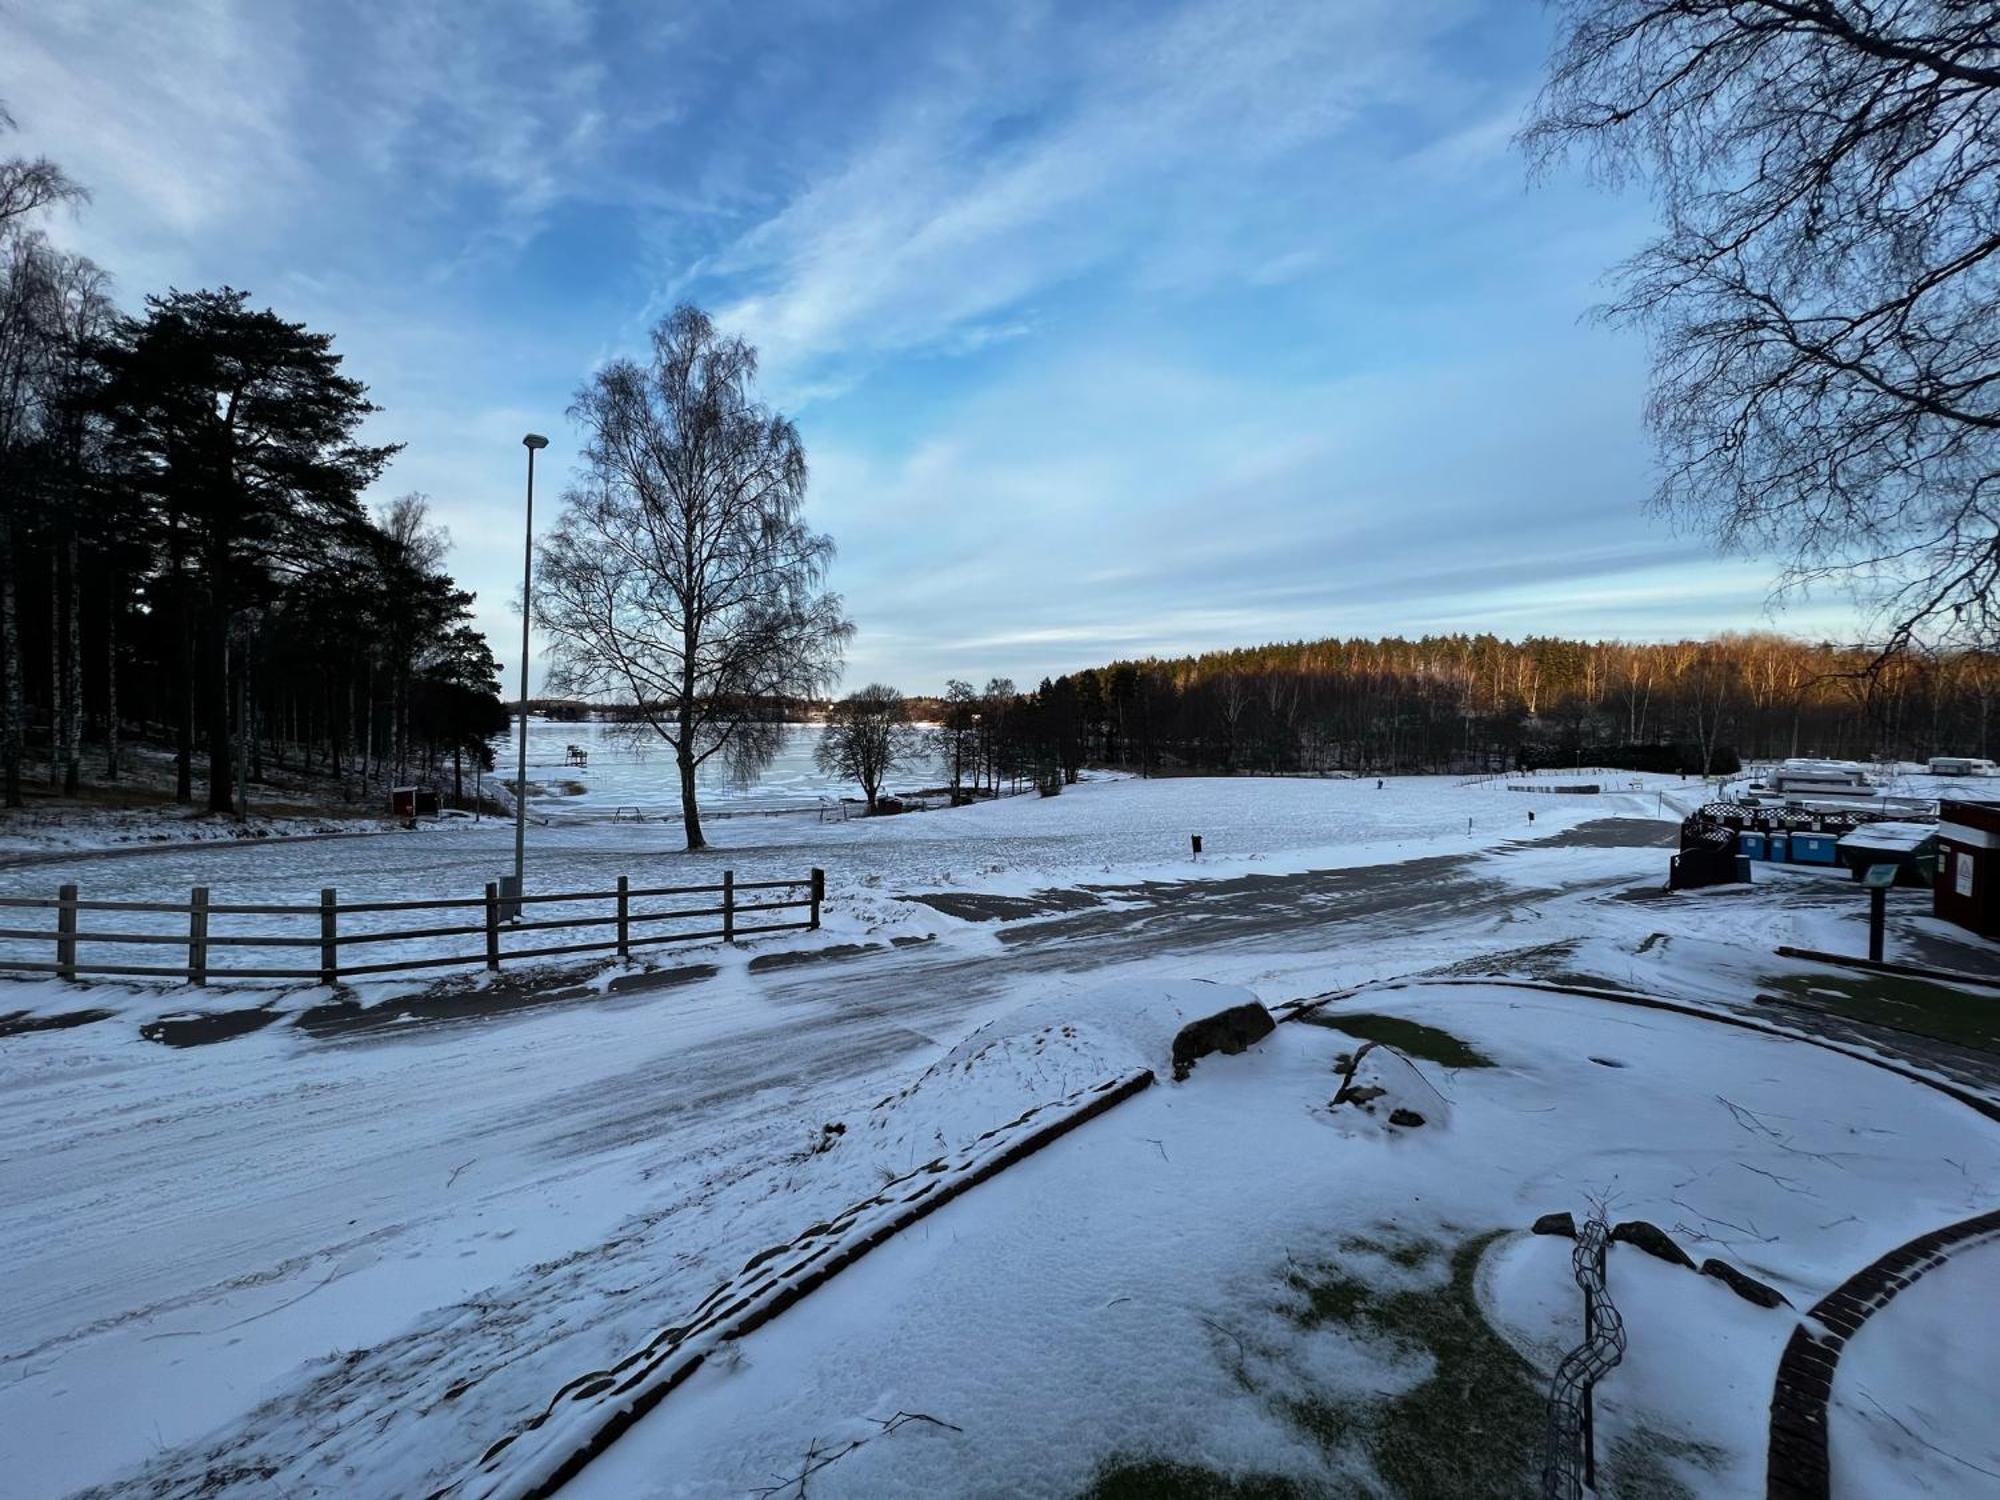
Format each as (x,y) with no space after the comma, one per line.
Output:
(1967,892)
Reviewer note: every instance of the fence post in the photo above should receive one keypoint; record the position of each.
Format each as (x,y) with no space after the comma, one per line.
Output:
(493,926)
(818,895)
(729,906)
(198,936)
(329,945)
(66,932)
(624,917)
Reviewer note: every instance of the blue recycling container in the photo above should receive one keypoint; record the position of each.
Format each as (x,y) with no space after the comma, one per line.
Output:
(1752,846)
(1780,847)
(1814,849)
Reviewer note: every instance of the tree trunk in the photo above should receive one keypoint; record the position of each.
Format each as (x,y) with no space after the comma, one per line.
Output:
(690,809)
(71,696)
(215,664)
(245,734)
(111,602)
(12,729)
(184,709)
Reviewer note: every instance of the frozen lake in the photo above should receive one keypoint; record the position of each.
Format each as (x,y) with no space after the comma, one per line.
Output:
(628,770)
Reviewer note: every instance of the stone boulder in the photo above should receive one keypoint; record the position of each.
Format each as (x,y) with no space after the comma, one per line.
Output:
(1380,1085)
(1227,1031)
(1749,1288)
(1653,1240)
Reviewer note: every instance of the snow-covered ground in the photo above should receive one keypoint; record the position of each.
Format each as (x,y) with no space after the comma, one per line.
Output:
(1912,1405)
(295,1262)
(1108,829)
(1137,1295)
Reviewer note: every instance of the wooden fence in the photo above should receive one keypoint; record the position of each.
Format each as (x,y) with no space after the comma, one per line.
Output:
(322,934)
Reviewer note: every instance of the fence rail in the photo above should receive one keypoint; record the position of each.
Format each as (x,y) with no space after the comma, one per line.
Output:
(321,932)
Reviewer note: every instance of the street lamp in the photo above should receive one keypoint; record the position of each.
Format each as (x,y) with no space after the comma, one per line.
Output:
(534,442)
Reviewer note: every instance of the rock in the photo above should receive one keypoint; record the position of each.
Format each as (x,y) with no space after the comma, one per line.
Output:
(1563,1224)
(1228,1031)
(1386,1088)
(1653,1240)
(1749,1288)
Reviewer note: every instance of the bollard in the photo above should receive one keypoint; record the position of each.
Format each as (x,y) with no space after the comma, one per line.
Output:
(1195,839)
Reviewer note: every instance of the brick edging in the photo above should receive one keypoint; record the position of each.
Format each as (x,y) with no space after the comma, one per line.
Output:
(1796,1463)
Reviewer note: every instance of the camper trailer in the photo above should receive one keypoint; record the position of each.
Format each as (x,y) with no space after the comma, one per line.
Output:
(1816,781)
(1960,765)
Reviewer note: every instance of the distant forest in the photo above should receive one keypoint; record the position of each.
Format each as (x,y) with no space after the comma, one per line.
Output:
(1477,702)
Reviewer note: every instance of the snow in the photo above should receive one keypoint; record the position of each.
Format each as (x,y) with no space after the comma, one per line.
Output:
(1106,829)
(1907,837)
(312,1258)
(1914,1392)
(1107,1296)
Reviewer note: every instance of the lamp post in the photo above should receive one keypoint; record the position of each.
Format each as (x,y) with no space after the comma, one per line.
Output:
(534,442)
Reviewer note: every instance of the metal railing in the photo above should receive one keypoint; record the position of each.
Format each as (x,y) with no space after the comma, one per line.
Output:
(318,928)
(1569,1454)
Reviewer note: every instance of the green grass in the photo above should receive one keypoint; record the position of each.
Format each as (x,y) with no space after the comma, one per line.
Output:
(1934,1010)
(1411,1038)
(1472,1427)
(1162,1479)
(1470,1430)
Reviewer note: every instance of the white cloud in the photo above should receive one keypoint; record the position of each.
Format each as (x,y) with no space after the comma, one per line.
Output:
(921,233)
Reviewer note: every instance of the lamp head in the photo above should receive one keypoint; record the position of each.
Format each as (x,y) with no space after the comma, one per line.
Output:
(534,440)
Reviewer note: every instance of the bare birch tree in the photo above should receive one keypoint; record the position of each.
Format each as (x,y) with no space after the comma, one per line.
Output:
(867,736)
(681,575)
(1824,297)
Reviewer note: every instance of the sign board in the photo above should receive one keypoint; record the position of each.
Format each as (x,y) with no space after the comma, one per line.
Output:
(1961,872)
(1879,875)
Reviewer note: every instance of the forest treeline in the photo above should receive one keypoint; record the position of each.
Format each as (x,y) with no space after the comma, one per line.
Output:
(184,555)
(1477,703)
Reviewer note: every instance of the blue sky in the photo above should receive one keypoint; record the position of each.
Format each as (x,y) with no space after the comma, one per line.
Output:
(1111,328)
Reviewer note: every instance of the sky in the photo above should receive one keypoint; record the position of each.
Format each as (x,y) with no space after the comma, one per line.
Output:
(1111,329)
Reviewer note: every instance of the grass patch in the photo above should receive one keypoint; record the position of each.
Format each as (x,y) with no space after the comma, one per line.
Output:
(1472,1428)
(1162,1479)
(1919,1005)
(1411,1038)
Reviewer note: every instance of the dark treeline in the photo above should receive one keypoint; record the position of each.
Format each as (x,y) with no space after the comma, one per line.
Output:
(184,555)
(1477,703)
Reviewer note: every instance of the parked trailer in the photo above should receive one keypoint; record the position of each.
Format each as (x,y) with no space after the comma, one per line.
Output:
(1961,765)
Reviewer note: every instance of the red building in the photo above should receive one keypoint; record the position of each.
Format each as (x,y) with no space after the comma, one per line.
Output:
(1968,876)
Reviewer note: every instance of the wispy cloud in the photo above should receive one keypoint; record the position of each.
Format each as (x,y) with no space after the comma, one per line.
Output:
(932,227)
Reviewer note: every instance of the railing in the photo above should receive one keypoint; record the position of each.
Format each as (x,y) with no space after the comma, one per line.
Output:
(198,938)
(1569,1455)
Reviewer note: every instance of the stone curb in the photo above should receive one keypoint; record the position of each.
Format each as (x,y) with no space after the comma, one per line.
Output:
(1797,1465)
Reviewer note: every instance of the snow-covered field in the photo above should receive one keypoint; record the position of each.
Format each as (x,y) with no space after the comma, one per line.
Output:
(302,1263)
(1109,828)
(1018,1315)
